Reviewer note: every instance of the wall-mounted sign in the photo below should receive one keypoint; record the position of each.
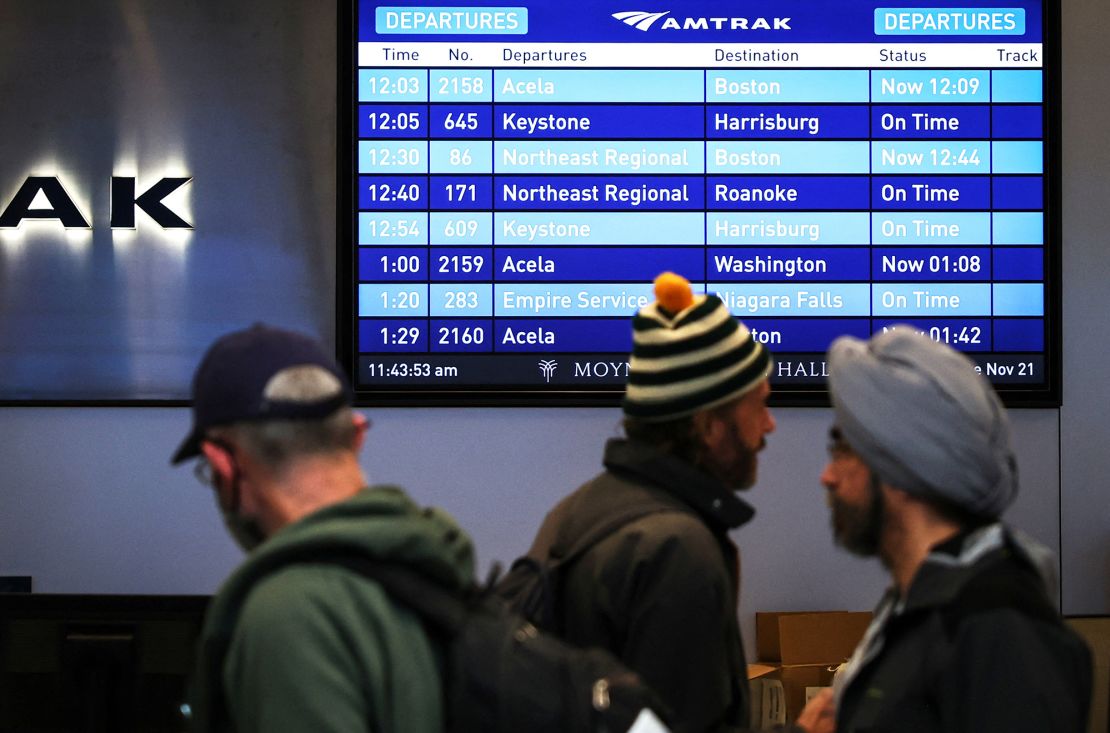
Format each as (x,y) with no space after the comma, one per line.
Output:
(513,183)
(43,198)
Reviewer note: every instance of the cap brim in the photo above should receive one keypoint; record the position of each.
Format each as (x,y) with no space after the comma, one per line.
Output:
(189,448)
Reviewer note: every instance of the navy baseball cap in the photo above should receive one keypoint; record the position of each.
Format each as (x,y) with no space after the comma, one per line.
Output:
(230,385)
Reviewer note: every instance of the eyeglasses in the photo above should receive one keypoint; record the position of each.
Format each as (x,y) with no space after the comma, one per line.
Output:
(839,448)
(202,470)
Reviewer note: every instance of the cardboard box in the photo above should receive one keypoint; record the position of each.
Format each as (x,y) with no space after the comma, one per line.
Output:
(799,682)
(822,637)
(805,648)
(1096,632)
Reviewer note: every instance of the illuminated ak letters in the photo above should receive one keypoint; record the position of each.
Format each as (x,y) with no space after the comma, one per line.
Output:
(42,198)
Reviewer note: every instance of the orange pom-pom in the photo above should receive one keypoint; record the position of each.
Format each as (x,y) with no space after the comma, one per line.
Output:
(673,292)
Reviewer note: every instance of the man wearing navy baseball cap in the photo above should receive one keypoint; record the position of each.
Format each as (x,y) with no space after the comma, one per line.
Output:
(301,646)
(920,470)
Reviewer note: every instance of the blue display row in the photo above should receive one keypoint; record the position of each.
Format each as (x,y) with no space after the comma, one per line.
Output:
(614,121)
(461,335)
(483,264)
(483,335)
(677,228)
(694,193)
(693,86)
(597,300)
(637,264)
(673,157)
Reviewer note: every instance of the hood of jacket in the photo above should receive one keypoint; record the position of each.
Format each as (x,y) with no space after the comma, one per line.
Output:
(380,522)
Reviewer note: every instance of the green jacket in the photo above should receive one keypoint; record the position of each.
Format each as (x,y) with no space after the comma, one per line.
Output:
(310,648)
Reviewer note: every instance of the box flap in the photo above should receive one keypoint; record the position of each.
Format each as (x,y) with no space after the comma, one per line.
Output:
(767,635)
(809,637)
(816,638)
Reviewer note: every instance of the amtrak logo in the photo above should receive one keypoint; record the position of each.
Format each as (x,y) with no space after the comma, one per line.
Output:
(642,20)
(43,198)
(547,369)
(639,19)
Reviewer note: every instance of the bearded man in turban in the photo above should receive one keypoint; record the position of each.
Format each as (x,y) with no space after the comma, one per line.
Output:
(968,637)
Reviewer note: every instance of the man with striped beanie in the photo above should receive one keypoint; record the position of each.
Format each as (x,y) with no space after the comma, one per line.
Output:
(645,565)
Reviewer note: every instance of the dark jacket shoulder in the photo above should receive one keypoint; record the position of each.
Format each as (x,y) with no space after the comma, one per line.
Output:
(977,645)
(660,591)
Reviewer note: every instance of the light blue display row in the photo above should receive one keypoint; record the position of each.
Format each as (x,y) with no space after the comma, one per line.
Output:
(486,157)
(524,300)
(949,228)
(687,228)
(509,300)
(696,86)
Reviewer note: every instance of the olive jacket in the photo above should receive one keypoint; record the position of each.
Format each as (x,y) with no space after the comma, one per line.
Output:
(295,647)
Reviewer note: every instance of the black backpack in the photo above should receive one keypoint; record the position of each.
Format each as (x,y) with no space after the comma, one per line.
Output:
(502,674)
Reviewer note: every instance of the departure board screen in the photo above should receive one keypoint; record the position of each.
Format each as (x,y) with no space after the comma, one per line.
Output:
(514,176)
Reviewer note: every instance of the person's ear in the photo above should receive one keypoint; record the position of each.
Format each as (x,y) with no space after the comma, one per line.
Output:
(219,458)
(361,426)
(709,428)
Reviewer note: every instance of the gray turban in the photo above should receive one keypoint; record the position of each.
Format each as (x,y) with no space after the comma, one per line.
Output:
(923,420)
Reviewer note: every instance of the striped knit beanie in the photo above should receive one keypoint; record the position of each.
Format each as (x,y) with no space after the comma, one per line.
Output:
(688,354)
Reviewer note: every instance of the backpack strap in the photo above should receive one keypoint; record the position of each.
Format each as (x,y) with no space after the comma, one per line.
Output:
(531,587)
(443,609)
(557,557)
(599,531)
